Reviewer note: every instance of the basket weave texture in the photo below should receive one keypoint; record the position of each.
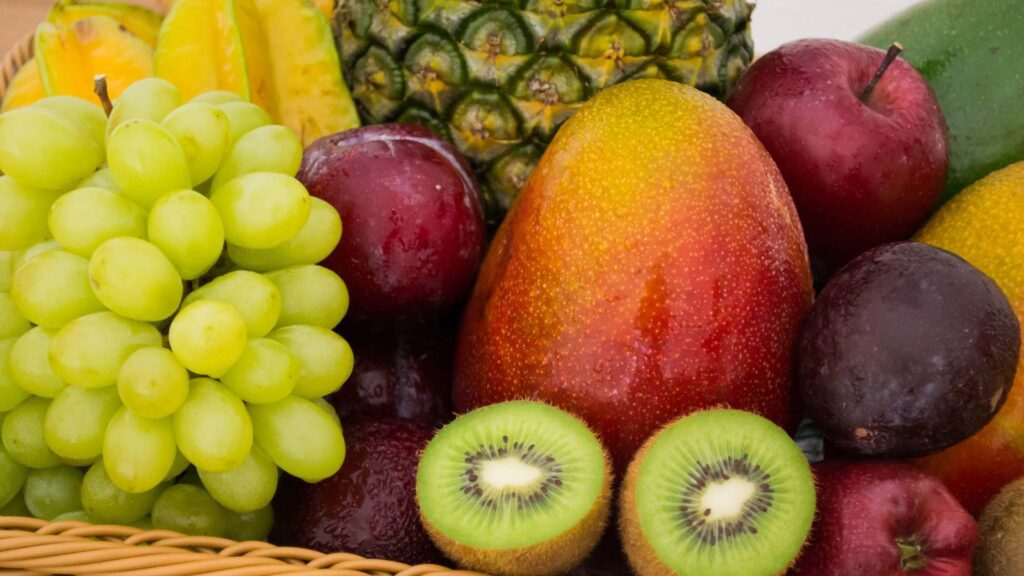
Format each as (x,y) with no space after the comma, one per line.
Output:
(31,547)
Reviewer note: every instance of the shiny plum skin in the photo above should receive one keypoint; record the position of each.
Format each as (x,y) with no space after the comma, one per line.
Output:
(413,223)
(885,518)
(908,350)
(402,370)
(369,507)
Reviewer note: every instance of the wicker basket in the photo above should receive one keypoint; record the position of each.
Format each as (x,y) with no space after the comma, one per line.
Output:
(30,547)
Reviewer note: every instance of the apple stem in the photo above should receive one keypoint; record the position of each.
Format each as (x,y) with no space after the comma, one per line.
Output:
(890,57)
(911,554)
(99,86)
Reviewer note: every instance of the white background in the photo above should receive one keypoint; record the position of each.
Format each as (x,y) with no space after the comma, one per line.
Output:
(778,21)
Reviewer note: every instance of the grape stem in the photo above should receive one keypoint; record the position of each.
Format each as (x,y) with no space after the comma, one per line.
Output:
(100,88)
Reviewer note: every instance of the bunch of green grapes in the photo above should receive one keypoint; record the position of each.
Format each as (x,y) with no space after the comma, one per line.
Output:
(161,308)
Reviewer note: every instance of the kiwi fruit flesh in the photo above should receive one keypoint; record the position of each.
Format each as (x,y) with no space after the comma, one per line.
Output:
(516,488)
(1001,547)
(716,492)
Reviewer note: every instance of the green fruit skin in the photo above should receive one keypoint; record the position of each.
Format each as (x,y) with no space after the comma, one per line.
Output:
(970,51)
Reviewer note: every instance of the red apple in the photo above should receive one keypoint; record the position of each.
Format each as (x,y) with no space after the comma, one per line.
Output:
(886,518)
(865,165)
(413,222)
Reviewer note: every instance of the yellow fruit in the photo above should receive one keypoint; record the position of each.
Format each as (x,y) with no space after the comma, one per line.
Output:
(69,58)
(200,49)
(140,21)
(280,54)
(25,88)
(983,226)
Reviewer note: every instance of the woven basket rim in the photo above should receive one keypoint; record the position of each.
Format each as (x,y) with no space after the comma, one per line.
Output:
(13,60)
(31,546)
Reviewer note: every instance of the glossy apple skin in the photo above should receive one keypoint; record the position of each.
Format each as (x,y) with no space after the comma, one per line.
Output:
(862,173)
(864,507)
(908,350)
(369,507)
(403,369)
(413,222)
(632,284)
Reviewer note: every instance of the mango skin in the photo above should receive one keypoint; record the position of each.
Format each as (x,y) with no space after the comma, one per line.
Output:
(653,265)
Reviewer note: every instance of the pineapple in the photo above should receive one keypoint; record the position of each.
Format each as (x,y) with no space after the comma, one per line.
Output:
(498,77)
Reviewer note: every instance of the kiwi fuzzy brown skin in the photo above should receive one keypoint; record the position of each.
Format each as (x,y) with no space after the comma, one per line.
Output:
(552,558)
(642,558)
(1001,547)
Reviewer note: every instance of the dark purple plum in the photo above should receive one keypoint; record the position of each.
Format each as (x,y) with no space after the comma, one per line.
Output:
(413,223)
(403,369)
(369,507)
(908,350)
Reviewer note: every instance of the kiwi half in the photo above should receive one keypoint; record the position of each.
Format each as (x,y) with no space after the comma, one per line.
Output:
(1001,547)
(517,488)
(717,492)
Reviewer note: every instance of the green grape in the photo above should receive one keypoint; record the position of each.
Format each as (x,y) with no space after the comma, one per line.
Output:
(134,279)
(77,419)
(90,350)
(12,477)
(251,525)
(23,434)
(30,364)
(88,117)
(218,97)
(180,464)
(253,295)
(138,452)
(190,510)
(73,516)
(76,463)
(312,244)
(246,488)
(310,294)
(146,161)
(261,209)
(326,406)
(23,211)
(41,149)
(53,491)
(7,260)
(26,255)
(12,323)
(53,289)
(82,220)
(302,439)
(186,226)
(104,502)
(203,132)
(266,372)
(243,118)
(16,507)
(152,383)
(10,393)
(208,337)
(151,99)
(102,178)
(266,149)
(212,427)
(325,357)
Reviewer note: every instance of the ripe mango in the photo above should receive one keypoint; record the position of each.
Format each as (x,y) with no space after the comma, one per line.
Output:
(653,265)
(983,226)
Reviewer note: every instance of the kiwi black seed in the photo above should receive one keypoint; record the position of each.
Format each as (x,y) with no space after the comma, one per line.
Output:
(517,488)
(1001,546)
(717,492)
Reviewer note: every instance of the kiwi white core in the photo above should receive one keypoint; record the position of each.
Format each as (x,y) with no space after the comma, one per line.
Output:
(510,473)
(726,499)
